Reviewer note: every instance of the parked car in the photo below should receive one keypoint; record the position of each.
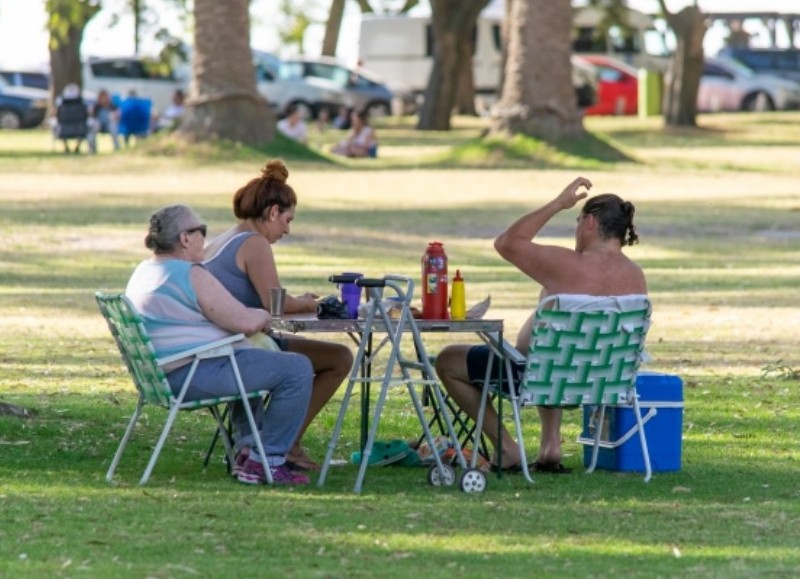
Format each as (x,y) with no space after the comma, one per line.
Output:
(728,85)
(618,86)
(283,89)
(783,63)
(148,77)
(21,107)
(368,93)
(40,80)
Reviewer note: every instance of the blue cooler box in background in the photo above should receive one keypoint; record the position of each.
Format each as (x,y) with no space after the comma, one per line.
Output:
(661,397)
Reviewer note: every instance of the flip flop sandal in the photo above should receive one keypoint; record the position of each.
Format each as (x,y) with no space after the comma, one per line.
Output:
(384,453)
(556,468)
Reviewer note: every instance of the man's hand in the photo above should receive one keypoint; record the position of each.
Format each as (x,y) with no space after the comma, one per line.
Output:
(570,195)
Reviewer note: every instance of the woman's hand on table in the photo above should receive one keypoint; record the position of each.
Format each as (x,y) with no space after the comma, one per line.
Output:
(309,301)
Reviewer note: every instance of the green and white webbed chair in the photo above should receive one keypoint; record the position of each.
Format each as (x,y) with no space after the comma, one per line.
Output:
(585,350)
(146,371)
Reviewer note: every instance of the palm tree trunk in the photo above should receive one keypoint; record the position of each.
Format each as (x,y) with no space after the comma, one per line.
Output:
(538,96)
(224,102)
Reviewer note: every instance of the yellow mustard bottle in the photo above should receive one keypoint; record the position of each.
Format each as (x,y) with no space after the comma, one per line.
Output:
(458,299)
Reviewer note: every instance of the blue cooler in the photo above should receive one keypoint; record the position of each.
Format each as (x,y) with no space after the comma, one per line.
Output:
(661,404)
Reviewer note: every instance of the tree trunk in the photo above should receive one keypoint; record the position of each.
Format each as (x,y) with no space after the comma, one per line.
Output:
(538,96)
(465,86)
(67,19)
(504,55)
(332,28)
(224,102)
(365,6)
(453,21)
(682,80)
(137,8)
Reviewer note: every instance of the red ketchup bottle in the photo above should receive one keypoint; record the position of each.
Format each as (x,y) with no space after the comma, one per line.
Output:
(434,283)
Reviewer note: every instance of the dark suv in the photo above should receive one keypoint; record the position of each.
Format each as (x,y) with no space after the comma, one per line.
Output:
(21,107)
(40,80)
(784,63)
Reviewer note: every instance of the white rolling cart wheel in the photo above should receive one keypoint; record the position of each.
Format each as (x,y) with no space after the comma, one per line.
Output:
(473,480)
(435,478)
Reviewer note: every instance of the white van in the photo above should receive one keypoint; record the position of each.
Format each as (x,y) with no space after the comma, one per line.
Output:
(149,78)
(641,46)
(400,48)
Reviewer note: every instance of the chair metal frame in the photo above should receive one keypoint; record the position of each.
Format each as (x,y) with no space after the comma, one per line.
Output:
(580,357)
(146,371)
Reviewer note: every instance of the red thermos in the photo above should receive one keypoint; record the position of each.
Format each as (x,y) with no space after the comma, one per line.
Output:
(434,283)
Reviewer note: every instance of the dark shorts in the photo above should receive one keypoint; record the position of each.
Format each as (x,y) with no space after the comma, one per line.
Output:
(478,360)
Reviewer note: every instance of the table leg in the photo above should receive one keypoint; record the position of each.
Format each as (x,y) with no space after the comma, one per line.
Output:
(366,372)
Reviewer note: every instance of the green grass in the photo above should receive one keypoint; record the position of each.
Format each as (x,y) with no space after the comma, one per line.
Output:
(717,212)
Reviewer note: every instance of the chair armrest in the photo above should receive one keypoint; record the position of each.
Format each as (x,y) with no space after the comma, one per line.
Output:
(204,349)
(508,349)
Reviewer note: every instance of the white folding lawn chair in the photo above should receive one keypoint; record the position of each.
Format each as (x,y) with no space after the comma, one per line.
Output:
(148,376)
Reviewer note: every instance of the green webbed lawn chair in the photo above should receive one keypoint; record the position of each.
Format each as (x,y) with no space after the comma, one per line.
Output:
(585,350)
(150,380)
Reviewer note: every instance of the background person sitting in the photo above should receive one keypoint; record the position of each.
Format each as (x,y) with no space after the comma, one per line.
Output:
(172,115)
(72,117)
(342,119)
(361,141)
(293,126)
(104,118)
(134,116)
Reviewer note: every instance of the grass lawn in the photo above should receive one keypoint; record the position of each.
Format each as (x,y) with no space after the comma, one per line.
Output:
(718,214)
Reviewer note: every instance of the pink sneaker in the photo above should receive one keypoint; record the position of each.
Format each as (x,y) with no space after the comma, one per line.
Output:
(253,474)
(239,462)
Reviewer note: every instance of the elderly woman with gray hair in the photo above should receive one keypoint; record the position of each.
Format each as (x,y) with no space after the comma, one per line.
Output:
(183,305)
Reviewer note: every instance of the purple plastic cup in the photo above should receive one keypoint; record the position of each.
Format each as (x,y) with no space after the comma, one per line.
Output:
(351,294)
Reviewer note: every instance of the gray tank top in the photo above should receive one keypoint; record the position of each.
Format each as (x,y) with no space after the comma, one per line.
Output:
(223,267)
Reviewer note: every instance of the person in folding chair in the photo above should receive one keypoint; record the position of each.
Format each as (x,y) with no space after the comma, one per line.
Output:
(596,267)
(72,118)
(242,259)
(182,306)
(104,118)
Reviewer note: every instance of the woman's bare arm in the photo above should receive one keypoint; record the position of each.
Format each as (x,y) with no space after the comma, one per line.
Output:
(219,306)
(259,265)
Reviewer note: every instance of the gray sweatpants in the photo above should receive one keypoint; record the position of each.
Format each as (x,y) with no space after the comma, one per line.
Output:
(288,377)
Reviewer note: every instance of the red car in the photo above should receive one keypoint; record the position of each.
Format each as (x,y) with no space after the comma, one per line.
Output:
(618,86)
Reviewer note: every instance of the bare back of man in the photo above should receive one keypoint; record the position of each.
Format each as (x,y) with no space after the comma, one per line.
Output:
(597,267)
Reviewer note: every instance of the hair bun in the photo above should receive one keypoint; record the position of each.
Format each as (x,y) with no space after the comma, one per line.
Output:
(627,207)
(275,169)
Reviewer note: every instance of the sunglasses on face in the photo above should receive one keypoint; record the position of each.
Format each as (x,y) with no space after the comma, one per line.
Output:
(201,228)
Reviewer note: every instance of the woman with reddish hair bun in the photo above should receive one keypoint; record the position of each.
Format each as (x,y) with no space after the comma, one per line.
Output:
(243,260)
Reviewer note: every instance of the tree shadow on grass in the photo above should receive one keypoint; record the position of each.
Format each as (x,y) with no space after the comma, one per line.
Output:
(215,151)
(590,150)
